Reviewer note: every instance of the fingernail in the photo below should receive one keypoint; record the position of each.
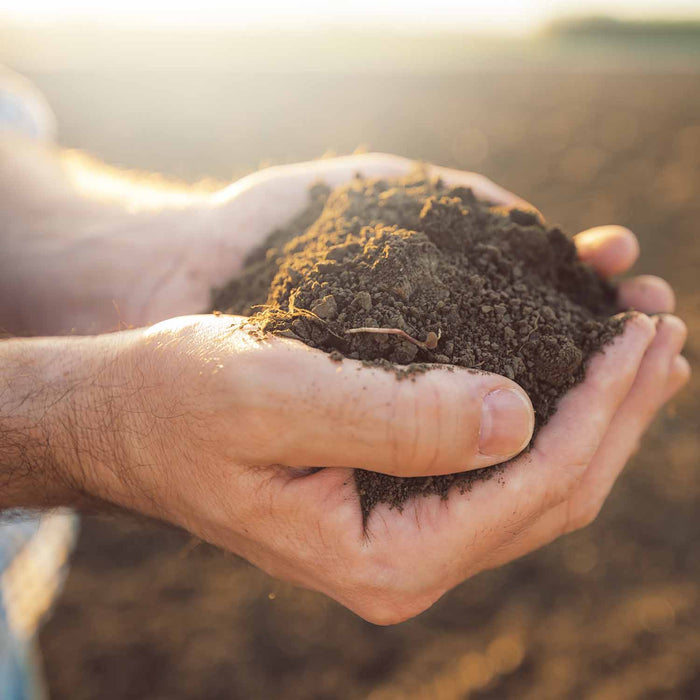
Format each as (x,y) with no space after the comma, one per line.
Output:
(507,421)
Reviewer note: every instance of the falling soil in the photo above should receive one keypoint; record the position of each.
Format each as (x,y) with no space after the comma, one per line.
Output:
(411,272)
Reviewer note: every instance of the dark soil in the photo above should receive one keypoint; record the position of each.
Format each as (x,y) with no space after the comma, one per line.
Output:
(452,280)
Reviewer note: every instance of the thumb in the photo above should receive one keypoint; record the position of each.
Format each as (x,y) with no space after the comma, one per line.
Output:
(444,420)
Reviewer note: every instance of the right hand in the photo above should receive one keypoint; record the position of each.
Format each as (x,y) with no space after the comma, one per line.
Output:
(204,426)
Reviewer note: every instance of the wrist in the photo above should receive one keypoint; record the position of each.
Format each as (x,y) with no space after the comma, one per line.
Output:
(36,381)
(56,420)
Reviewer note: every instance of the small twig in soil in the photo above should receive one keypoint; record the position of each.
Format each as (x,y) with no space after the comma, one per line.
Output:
(430,343)
(314,317)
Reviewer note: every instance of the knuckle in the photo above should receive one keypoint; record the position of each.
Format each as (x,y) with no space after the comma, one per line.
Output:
(415,429)
(404,429)
(388,159)
(684,372)
(378,593)
(478,179)
(569,478)
(387,604)
(682,329)
(382,163)
(581,515)
(389,612)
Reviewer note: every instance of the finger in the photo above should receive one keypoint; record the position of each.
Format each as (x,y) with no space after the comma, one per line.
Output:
(569,441)
(330,414)
(611,250)
(635,414)
(483,188)
(567,446)
(674,333)
(646,293)
(640,406)
(659,376)
(678,378)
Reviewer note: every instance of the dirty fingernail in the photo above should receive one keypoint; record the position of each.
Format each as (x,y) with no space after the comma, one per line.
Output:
(507,420)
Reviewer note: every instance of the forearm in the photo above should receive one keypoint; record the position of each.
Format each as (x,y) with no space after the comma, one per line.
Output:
(59,420)
(86,248)
(35,387)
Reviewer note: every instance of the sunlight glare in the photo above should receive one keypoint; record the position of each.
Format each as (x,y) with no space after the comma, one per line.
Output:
(494,16)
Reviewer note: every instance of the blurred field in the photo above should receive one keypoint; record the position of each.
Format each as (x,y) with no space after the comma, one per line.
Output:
(610,612)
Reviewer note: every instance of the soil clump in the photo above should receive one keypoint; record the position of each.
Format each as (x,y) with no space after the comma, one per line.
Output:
(412,272)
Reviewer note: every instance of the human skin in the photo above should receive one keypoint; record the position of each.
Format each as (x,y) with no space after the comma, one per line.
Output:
(195,422)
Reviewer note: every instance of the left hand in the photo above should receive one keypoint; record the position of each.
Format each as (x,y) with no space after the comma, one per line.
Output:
(235,220)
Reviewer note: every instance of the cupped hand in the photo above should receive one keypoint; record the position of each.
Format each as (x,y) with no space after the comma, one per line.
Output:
(232,222)
(229,426)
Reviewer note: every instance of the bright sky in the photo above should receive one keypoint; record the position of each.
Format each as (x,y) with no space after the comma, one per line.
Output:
(499,15)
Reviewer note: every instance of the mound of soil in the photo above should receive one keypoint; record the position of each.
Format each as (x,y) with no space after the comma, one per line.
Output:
(448,279)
